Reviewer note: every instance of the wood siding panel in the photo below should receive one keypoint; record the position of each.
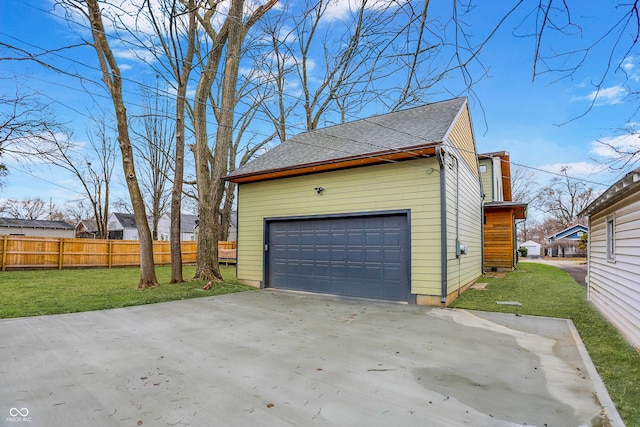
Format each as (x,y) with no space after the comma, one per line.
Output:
(498,239)
(412,185)
(614,287)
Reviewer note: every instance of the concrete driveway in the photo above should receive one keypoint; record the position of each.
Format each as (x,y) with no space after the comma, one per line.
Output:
(270,358)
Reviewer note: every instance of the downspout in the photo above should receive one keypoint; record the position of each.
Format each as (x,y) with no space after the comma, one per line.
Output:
(458,248)
(482,197)
(457,207)
(443,225)
(588,278)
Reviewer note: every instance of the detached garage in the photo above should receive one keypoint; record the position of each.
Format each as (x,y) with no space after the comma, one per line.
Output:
(388,207)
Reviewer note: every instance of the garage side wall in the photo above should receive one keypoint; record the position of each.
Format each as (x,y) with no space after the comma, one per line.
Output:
(464,223)
(613,284)
(464,204)
(410,185)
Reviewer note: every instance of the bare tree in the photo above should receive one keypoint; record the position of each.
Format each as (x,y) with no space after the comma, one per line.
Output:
(172,43)
(244,151)
(112,78)
(31,208)
(343,57)
(565,43)
(92,169)
(525,189)
(77,211)
(26,127)
(564,198)
(211,166)
(154,147)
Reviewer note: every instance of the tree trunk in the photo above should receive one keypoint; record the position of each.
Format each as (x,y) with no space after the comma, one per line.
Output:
(176,191)
(211,168)
(112,78)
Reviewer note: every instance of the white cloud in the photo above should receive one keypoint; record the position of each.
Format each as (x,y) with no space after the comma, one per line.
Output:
(611,147)
(339,9)
(604,96)
(629,67)
(579,169)
(134,54)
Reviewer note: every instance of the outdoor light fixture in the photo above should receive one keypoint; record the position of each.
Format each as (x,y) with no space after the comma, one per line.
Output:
(319,190)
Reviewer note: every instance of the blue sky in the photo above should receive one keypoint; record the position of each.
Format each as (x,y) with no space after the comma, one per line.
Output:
(546,125)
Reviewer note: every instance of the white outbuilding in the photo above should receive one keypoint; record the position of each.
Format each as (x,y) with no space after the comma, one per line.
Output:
(533,248)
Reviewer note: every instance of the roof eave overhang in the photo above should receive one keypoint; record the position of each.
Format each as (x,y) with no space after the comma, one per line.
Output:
(518,209)
(337,164)
(618,191)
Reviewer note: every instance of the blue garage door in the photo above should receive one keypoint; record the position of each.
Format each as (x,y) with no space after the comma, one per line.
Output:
(358,256)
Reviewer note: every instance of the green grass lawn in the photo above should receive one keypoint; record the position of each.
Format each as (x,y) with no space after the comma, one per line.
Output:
(546,291)
(34,293)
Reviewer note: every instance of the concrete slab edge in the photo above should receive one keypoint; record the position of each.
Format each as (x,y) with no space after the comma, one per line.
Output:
(602,394)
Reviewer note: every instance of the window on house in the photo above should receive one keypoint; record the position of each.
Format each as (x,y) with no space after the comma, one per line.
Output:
(611,240)
(483,168)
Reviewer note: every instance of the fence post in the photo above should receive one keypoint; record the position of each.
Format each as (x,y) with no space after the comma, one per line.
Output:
(4,253)
(60,253)
(110,251)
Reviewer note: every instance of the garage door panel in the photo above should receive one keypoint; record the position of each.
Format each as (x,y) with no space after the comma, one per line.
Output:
(372,272)
(363,256)
(338,240)
(373,255)
(393,256)
(391,274)
(355,238)
(338,255)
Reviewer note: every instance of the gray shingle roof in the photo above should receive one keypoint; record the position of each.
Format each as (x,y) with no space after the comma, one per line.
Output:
(126,220)
(32,223)
(90,225)
(415,127)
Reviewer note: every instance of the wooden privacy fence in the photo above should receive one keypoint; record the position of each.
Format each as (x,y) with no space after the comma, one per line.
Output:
(20,252)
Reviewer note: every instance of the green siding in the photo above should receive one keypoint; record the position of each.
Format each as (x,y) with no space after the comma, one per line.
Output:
(487,180)
(466,268)
(412,185)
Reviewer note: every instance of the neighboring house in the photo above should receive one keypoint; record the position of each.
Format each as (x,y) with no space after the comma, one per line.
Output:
(500,212)
(122,226)
(232,234)
(188,227)
(533,248)
(613,277)
(87,229)
(565,243)
(38,228)
(233,227)
(388,207)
